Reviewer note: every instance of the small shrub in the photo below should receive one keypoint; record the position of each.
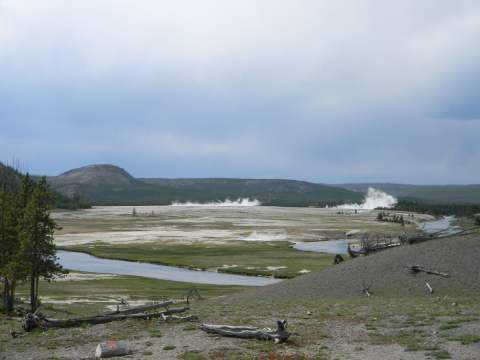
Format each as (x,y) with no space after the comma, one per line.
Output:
(441,354)
(467,339)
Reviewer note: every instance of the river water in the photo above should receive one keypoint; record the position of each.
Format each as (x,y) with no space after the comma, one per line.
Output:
(328,246)
(83,262)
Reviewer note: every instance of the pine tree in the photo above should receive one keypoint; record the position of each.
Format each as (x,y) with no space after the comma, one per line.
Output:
(9,247)
(37,248)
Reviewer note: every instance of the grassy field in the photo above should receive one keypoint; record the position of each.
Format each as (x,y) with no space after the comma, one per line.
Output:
(127,286)
(251,258)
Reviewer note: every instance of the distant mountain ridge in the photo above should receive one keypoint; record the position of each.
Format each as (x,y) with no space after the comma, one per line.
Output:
(111,185)
(459,194)
(106,184)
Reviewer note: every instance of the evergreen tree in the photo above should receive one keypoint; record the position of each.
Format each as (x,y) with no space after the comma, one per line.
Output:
(9,246)
(37,248)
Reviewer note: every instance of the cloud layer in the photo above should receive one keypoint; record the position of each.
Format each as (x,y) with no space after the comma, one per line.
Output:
(318,90)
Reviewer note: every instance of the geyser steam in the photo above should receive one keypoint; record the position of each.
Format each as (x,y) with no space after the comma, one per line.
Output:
(227,202)
(374,199)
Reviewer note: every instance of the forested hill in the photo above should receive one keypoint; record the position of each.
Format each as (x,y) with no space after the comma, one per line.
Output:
(12,179)
(112,185)
(435,194)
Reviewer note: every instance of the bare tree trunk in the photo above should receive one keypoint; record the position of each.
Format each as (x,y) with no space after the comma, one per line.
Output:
(5,292)
(37,280)
(10,297)
(33,302)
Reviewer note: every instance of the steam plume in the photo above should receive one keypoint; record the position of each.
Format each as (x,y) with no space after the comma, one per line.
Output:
(374,199)
(227,202)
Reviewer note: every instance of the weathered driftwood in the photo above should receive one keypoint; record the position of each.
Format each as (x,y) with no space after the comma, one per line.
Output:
(429,288)
(180,318)
(143,308)
(414,269)
(32,321)
(112,348)
(248,332)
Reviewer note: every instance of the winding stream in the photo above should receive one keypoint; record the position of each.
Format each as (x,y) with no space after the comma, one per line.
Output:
(83,262)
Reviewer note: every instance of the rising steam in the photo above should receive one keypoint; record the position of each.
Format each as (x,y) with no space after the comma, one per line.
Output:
(374,199)
(227,202)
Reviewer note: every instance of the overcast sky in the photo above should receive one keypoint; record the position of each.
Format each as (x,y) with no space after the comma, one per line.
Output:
(327,91)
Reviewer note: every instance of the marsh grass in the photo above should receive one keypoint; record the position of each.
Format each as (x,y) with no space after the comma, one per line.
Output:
(247,258)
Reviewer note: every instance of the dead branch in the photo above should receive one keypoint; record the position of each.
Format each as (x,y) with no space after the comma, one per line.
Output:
(366,289)
(414,269)
(192,293)
(248,332)
(32,321)
(429,287)
(142,308)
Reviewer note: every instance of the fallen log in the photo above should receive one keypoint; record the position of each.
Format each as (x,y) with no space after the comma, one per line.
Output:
(112,348)
(279,335)
(192,318)
(32,321)
(143,308)
(414,269)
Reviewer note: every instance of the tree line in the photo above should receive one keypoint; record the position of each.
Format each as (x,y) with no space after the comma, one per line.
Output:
(28,252)
(459,210)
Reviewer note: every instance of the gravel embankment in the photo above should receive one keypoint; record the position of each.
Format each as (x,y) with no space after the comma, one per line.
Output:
(387,274)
